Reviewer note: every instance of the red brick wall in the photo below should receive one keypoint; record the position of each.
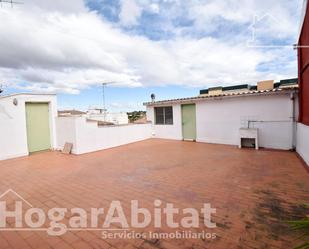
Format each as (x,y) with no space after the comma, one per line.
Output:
(303,68)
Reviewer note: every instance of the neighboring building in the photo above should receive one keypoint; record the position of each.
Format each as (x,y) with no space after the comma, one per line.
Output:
(217,114)
(303,74)
(117,118)
(96,114)
(262,85)
(71,113)
(27,124)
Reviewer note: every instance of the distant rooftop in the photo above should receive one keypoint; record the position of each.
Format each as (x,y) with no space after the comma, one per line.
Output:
(262,88)
(281,84)
(70,112)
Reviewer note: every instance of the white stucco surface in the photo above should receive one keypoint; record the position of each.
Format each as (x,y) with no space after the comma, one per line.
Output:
(13,141)
(66,132)
(219,120)
(302,146)
(88,136)
(173,131)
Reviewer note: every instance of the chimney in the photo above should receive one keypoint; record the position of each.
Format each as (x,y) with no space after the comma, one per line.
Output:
(265,85)
(214,91)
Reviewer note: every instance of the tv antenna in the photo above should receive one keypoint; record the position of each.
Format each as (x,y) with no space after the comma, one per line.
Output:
(104,84)
(10,2)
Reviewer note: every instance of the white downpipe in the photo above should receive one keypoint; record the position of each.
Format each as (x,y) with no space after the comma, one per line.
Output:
(294,124)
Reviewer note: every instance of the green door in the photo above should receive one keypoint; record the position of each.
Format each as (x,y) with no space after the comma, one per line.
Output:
(38,133)
(188,122)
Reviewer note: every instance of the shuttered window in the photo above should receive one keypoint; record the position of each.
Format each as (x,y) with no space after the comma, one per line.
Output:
(164,115)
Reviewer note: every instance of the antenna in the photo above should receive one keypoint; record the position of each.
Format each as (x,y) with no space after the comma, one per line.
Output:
(10,2)
(104,84)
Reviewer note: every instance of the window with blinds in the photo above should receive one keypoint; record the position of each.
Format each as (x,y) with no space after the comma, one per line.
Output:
(164,115)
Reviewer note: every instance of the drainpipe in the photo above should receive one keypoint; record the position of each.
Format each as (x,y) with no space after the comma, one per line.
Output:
(293,118)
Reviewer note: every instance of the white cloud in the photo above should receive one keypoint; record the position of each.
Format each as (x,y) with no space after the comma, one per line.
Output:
(154,7)
(62,46)
(130,12)
(244,11)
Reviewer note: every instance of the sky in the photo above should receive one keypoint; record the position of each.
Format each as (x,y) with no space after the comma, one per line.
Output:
(172,48)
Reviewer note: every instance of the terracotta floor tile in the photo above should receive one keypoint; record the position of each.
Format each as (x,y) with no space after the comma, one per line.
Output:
(254,192)
(81,245)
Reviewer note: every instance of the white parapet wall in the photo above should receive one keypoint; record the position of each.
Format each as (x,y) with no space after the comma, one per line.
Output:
(66,131)
(302,146)
(87,136)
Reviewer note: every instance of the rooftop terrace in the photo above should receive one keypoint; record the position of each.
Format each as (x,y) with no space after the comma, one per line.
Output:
(254,192)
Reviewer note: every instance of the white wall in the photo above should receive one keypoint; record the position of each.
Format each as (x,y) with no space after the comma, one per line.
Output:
(88,136)
(13,137)
(173,131)
(302,146)
(219,120)
(66,131)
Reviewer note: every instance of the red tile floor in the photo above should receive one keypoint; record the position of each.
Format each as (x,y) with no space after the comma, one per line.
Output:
(254,192)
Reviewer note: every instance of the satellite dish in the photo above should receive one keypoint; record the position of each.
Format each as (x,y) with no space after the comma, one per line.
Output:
(153,97)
